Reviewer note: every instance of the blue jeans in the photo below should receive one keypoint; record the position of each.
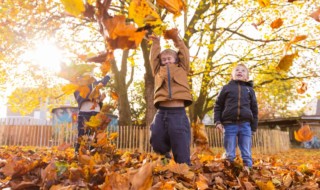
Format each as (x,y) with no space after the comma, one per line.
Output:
(170,129)
(238,133)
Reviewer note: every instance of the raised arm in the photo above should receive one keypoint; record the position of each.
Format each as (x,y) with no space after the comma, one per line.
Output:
(183,53)
(154,54)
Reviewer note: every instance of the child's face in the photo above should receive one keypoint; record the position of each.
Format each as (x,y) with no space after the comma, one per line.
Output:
(167,59)
(240,73)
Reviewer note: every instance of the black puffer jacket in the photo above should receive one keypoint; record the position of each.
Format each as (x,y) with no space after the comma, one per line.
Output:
(237,102)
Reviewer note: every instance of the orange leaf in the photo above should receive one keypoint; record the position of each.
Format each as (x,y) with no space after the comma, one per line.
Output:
(302,88)
(173,6)
(304,134)
(286,62)
(84,91)
(64,146)
(316,15)
(264,3)
(122,35)
(143,13)
(105,67)
(276,23)
(298,38)
(114,95)
(170,34)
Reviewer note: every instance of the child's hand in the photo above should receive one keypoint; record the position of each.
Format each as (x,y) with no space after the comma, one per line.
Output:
(220,127)
(111,75)
(153,38)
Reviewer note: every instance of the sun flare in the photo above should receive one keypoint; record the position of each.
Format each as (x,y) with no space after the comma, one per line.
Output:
(46,55)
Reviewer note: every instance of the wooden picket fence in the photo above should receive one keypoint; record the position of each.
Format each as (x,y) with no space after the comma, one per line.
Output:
(129,137)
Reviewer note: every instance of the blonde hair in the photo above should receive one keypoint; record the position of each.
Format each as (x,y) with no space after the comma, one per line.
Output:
(169,52)
(241,65)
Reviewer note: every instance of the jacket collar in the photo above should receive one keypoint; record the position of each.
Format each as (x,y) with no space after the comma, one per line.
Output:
(244,83)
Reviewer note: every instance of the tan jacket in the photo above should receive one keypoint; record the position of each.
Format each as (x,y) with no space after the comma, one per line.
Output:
(172,85)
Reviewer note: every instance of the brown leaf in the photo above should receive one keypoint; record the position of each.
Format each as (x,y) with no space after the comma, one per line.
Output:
(64,146)
(287,180)
(143,178)
(316,15)
(286,62)
(276,23)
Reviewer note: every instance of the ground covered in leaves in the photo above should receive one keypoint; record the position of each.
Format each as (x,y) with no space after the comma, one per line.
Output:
(58,168)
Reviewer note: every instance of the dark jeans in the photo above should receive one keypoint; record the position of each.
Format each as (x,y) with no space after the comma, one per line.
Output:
(82,118)
(170,129)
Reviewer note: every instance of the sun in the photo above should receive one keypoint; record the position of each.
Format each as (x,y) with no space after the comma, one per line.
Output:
(46,55)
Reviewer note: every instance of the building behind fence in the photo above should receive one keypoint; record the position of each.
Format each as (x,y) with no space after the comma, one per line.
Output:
(30,133)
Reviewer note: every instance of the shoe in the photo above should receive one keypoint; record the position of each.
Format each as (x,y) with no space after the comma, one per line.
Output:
(247,169)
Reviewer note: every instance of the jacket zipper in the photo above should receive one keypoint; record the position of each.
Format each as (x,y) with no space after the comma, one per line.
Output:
(239,97)
(169,82)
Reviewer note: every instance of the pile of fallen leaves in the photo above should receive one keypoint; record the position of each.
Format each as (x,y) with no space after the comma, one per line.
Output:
(58,168)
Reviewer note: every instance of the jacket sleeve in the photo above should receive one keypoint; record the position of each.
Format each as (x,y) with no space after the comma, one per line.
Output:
(254,110)
(104,80)
(154,56)
(183,54)
(219,106)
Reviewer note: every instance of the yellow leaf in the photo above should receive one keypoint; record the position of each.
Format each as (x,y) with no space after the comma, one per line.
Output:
(265,186)
(264,3)
(84,91)
(143,12)
(69,88)
(74,7)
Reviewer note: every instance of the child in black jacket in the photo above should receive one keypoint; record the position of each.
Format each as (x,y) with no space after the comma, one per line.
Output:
(236,114)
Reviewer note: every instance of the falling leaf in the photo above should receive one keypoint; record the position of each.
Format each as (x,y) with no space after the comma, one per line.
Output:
(199,133)
(84,91)
(144,13)
(298,38)
(173,6)
(74,7)
(264,3)
(122,35)
(260,22)
(304,134)
(316,15)
(276,23)
(114,95)
(302,88)
(69,88)
(286,62)
(72,72)
(105,67)
(170,34)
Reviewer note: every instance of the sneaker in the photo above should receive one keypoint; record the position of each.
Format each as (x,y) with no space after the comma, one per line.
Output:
(247,169)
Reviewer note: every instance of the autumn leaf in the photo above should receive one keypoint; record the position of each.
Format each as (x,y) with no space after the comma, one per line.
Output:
(276,23)
(199,133)
(72,72)
(264,3)
(122,35)
(316,15)
(298,38)
(173,6)
(69,88)
(84,91)
(143,179)
(114,95)
(286,62)
(64,146)
(144,13)
(265,186)
(105,67)
(182,169)
(302,88)
(170,34)
(202,182)
(304,134)
(74,7)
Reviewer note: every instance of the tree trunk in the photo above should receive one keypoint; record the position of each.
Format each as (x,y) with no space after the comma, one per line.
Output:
(122,89)
(149,85)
